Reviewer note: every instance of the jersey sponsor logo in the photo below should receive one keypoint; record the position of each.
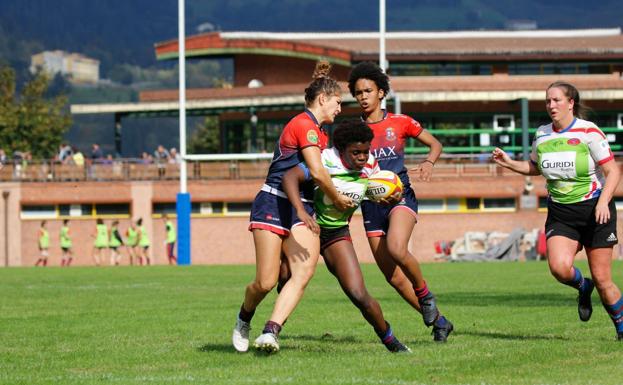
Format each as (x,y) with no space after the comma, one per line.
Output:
(553,164)
(312,136)
(384,152)
(558,165)
(390,134)
(573,141)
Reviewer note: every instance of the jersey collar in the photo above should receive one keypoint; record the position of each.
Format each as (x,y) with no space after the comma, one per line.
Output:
(363,118)
(312,117)
(566,128)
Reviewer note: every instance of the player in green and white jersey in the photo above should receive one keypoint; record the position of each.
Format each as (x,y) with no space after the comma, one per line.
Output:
(349,163)
(574,156)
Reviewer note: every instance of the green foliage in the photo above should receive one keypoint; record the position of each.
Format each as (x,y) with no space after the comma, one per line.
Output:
(169,325)
(31,122)
(205,139)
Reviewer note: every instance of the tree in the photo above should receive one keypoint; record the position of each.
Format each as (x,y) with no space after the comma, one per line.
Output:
(30,121)
(205,139)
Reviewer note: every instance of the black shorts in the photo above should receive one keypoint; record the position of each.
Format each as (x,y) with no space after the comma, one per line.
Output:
(66,249)
(329,236)
(376,215)
(577,221)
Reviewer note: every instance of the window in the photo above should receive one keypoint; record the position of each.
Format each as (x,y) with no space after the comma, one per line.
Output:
(112,209)
(38,211)
(431,205)
(170,208)
(239,208)
(499,204)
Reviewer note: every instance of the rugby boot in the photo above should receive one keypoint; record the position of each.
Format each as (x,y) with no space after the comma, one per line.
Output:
(585,306)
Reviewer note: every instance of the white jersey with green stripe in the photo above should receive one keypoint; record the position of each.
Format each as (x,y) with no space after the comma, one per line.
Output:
(569,160)
(352,183)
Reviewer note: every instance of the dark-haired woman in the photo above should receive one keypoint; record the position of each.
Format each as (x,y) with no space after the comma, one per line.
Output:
(389,226)
(574,156)
(350,164)
(276,227)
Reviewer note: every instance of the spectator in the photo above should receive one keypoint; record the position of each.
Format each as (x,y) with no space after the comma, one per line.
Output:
(162,156)
(146,158)
(3,158)
(77,157)
(174,157)
(64,152)
(96,153)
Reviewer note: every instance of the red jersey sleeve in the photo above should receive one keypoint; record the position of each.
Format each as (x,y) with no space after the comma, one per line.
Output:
(302,133)
(413,128)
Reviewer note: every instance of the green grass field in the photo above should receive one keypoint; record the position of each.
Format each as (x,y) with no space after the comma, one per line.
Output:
(164,325)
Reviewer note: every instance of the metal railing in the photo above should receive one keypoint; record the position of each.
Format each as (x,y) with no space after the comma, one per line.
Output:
(449,166)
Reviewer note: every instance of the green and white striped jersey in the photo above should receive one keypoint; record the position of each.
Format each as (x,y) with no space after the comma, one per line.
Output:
(351,183)
(568,159)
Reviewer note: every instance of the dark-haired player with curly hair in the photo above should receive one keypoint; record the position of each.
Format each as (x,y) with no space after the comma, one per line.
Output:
(350,164)
(274,223)
(389,226)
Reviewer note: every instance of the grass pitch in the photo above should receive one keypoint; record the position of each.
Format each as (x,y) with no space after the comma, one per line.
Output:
(168,325)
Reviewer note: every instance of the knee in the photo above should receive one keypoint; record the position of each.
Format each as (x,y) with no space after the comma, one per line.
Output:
(602,279)
(398,251)
(263,286)
(561,270)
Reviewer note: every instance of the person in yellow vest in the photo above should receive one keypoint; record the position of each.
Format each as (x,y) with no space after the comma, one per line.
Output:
(171,238)
(115,242)
(143,242)
(131,243)
(101,240)
(66,245)
(44,245)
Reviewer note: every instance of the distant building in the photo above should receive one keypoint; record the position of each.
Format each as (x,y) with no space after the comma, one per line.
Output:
(78,68)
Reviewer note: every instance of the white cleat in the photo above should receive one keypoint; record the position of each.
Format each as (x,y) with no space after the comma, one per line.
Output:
(240,336)
(267,342)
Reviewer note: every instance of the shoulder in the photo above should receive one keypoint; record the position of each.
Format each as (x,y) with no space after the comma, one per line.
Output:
(543,130)
(331,159)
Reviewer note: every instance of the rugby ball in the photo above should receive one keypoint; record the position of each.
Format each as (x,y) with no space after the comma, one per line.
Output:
(382,185)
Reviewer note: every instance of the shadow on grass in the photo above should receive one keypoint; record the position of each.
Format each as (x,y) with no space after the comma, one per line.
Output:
(513,336)
(508,299)
(324,337)
(219,348)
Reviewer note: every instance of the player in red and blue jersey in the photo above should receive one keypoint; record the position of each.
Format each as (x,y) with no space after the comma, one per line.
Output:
(276,227)
(389,226)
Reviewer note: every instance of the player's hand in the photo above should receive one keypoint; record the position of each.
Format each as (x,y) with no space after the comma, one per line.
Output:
(392,199)
(423,171)
(343,202)
(602,212)
(500,157)
(309,221)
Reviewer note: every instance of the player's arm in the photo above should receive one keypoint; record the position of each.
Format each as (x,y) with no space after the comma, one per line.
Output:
(290,184)
(424,170)
(613,176)
(321,177)
(525,167)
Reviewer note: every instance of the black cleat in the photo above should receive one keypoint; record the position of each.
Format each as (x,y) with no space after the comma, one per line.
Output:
(429,309)
(396,346)
(441,333)
(585,307)
(620,336)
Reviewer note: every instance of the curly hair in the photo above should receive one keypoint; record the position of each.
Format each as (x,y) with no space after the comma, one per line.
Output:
(371,71)
(351,131)
(322,83)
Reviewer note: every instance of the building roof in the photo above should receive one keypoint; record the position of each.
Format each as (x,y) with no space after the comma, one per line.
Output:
(555,45)
(409,89)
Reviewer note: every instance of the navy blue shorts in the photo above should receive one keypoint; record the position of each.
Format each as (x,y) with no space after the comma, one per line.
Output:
(276,214)
(376,216)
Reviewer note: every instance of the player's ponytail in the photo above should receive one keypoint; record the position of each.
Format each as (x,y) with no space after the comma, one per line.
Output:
(321,83)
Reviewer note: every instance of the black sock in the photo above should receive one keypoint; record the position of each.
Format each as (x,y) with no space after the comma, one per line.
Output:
(244,315)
